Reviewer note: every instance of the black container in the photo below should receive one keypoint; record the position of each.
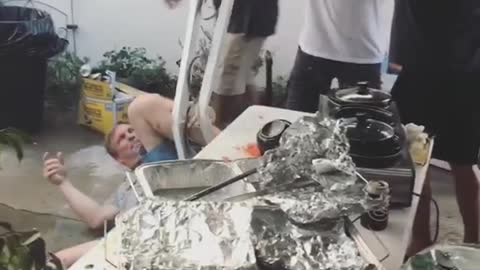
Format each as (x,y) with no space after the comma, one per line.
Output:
(22,92)
(27,40)
(370,137)
(376,113)
(268,137)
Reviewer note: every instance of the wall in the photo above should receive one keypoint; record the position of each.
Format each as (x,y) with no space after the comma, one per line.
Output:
(110,24)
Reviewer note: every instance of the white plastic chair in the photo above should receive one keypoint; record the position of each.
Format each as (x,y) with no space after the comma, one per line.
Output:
(210,79)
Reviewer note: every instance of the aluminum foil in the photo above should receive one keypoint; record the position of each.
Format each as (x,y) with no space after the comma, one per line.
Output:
(441,257)
(195,175)
(315,150)
(310,149)
(283,244)
(186,235)
(306,187)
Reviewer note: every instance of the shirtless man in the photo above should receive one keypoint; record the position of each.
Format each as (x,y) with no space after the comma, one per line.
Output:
(146,139)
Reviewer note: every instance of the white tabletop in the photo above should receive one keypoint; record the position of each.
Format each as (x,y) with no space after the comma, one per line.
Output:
(231,144)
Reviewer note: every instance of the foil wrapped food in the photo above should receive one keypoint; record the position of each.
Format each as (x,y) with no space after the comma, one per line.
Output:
(305,189)
(178,235)
(281,243)
(314,150)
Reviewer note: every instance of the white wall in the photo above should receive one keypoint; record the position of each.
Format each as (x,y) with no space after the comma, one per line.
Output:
(110,24)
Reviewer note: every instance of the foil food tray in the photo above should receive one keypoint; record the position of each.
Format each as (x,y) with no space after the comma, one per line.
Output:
(176,180)
(179,179)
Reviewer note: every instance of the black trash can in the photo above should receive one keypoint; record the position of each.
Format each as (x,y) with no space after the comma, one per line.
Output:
(27,40)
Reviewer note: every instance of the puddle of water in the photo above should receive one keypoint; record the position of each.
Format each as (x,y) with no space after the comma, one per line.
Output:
(95,162)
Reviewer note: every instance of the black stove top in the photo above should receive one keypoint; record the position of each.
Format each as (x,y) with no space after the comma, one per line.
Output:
(400,174)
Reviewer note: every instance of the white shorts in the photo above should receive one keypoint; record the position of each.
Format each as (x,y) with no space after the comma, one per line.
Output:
(238,57)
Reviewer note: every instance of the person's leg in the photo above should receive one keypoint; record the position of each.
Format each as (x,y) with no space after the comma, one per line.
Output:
(151,117)
(310,77)
(70,255)
(251,68)
(228,99)
(349,74)
(467,190)
(421,237)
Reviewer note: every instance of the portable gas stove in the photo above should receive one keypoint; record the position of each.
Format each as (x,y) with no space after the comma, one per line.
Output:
(401,175)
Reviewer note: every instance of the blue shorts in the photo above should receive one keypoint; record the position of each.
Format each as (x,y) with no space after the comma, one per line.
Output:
(163,152)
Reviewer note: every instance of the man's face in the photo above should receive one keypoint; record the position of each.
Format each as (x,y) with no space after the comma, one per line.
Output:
(127,145)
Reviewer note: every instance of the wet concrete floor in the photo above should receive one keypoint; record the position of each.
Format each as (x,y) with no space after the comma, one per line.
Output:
(95,173)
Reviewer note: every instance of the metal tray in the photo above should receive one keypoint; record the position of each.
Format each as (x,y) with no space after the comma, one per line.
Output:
(177,180)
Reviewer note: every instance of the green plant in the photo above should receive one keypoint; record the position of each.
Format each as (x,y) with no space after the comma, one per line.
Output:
(64,81)
(13,138)
(134,67)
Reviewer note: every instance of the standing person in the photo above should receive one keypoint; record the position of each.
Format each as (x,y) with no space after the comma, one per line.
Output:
(438,88)
(347,40)
(251,22)
(403,31)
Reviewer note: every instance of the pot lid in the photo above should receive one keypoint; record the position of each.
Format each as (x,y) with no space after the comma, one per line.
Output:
(362,128)
(362,94)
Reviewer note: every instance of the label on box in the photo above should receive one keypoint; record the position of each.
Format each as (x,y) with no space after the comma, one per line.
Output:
(102,115)
(97,89)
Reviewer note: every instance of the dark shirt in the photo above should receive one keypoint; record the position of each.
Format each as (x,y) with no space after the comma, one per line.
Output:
(254,18)
(402,33)
(441,64)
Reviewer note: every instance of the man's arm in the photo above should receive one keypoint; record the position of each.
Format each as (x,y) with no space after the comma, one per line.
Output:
(89,211)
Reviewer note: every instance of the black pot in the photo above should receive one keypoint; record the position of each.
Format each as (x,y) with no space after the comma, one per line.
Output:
(365,161)
(268,137)
(370,137)
(376,113)
(360,95)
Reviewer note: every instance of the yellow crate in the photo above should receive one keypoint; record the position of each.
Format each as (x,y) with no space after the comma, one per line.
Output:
(103,115)
(98,89)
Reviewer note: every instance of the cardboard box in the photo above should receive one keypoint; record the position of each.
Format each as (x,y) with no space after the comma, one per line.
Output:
(98,89)
(102,115)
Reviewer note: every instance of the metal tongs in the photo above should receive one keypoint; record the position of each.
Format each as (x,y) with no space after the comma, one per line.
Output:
(221,185)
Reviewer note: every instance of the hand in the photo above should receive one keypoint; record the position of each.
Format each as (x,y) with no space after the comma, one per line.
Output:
(172,3)
(54,169)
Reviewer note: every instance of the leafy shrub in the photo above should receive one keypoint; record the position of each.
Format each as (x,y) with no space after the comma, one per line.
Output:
(63,81)
(133,67)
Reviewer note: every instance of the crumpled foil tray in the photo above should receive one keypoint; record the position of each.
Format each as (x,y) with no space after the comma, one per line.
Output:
(176,180)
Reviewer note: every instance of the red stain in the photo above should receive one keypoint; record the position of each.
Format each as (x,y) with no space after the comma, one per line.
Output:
(226,159)
(251,150)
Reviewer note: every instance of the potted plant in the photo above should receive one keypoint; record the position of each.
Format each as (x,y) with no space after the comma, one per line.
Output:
(15,139)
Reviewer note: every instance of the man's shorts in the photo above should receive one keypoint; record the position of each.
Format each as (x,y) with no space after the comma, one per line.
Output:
(236,64)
